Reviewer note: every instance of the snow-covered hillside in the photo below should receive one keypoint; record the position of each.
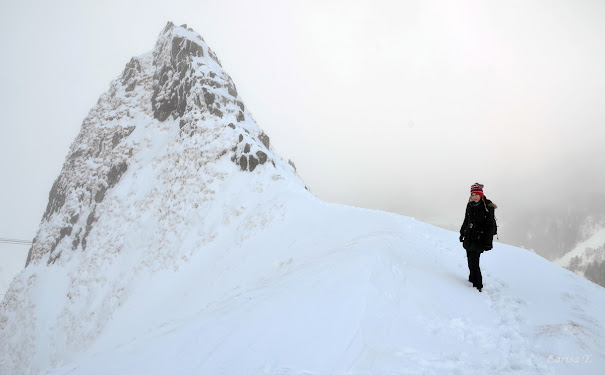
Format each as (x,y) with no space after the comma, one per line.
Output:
(177,241)
(587,258)
(571,234)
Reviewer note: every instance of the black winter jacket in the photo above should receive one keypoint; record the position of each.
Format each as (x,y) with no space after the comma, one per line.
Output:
(477,231)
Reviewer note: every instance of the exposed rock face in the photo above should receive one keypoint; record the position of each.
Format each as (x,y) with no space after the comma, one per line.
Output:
(130,72)
(264,138)
(182,81)
(173,80)
(86,176)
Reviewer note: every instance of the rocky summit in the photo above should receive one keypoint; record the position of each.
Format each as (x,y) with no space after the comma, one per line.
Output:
(180,83)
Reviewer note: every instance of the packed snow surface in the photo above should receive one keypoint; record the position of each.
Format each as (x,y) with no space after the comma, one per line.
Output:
(327,289)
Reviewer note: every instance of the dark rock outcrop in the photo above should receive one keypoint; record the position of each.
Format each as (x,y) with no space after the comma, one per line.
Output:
(56,198)
(262,157)
(115,173)
(129,76)
(243,162)
(264,138)
(173,79)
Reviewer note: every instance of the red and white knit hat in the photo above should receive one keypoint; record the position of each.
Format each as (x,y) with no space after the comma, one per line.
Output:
(478,189)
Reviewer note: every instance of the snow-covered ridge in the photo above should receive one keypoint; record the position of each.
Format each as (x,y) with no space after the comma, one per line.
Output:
(176,240)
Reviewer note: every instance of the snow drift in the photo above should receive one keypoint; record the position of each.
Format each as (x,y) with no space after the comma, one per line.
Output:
(176,240)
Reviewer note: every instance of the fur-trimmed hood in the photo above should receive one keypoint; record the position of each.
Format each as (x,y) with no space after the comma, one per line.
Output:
(487,202)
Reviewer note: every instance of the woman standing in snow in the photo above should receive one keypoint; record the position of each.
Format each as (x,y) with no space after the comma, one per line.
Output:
(477,231)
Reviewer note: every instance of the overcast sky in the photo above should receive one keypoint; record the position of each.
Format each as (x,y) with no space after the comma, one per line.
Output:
(391,105)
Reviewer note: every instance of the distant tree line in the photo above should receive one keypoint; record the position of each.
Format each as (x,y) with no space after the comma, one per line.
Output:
(595,272)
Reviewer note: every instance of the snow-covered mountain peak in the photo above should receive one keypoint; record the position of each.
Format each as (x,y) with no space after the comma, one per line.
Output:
(167,159)
(173,114)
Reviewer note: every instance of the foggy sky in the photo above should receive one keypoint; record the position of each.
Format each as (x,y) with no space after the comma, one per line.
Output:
(390,105)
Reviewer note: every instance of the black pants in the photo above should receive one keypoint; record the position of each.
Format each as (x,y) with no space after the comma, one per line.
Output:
(473,266)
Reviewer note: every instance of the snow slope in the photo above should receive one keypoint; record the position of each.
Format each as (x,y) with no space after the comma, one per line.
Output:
(354,292)
(587,251)
(176,240)
(587,258)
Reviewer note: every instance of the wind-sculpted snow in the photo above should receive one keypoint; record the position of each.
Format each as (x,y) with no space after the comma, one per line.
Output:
(328,289)
(176,241)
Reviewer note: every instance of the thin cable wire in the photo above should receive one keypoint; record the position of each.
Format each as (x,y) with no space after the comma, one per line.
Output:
(15,242)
